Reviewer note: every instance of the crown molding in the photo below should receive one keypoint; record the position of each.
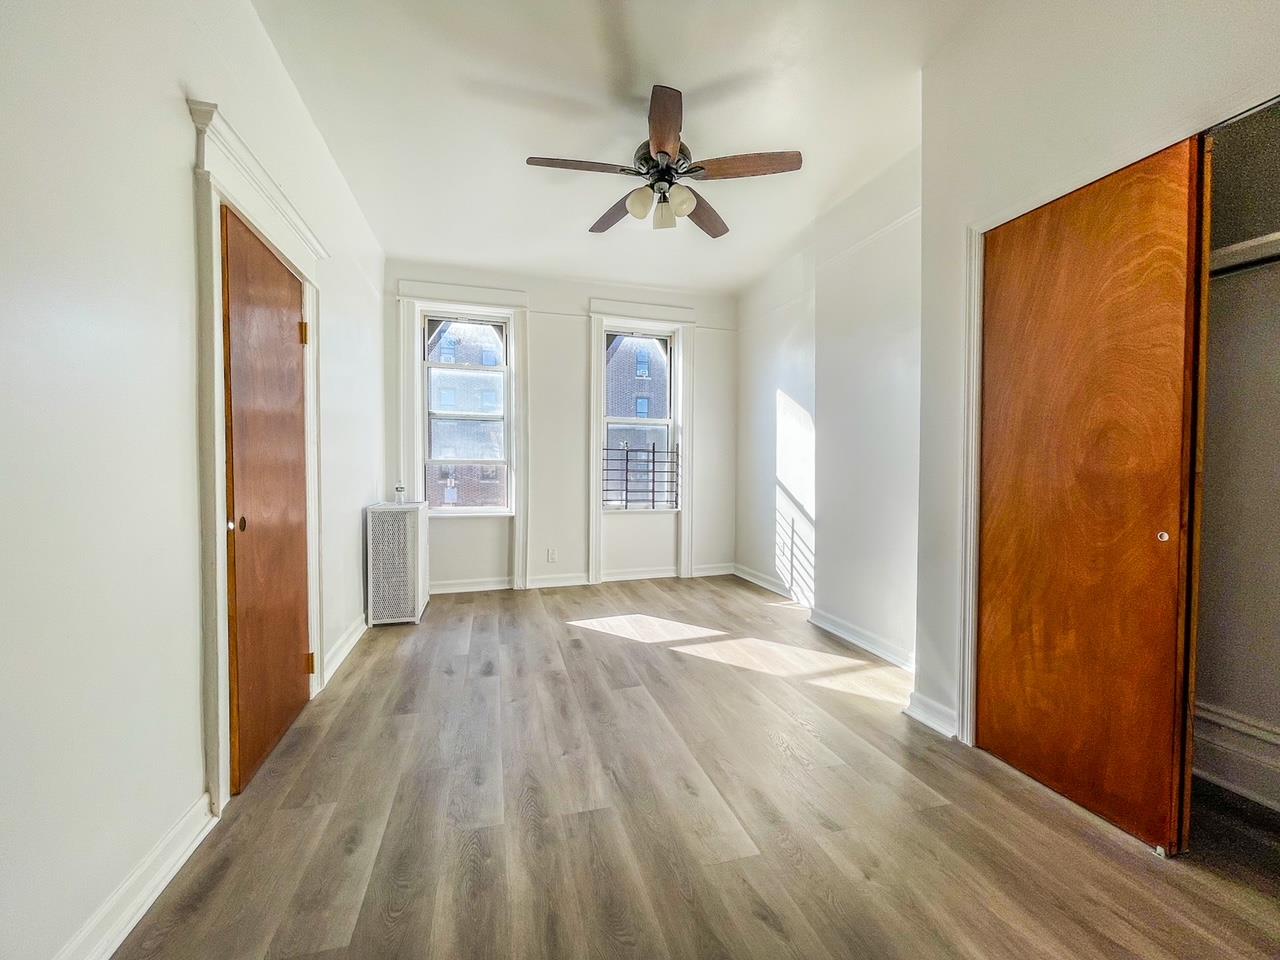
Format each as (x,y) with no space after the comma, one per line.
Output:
(216,138)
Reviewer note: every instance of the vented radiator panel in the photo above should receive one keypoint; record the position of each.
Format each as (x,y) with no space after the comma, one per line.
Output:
(397,562)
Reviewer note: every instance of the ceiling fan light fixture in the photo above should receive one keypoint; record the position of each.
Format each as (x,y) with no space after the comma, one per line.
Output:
(683,200)
(664,217)
(640,202)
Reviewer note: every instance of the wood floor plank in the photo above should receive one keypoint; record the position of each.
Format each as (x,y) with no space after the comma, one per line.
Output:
(399,902)
(580,776)
(545,922)
(681,769)
(619,918)
(474,749)
(326,905)
(701,812)
(772,924)
(325,775)
(470,920)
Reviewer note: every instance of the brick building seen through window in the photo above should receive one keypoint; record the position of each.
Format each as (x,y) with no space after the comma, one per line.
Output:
(637,414)
(466,384)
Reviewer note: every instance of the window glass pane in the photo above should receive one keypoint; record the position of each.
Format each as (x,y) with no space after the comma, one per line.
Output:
(466,440)
(466,391)
(466,485)
(624,383)
(621,436)
(466,341)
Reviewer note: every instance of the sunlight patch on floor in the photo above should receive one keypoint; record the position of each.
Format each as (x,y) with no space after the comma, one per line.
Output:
(767,656)
(646,629)
(886,683)
(789,605)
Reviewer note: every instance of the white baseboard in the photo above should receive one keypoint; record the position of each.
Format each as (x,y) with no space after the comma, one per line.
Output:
(558,580)
(342,649)
(765,580)
(470,586)
(1239,753)
(106,929)
(855,636)
(640,573)
(932,714)
(714,570)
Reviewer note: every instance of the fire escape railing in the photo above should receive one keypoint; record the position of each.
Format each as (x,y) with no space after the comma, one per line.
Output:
(641,478)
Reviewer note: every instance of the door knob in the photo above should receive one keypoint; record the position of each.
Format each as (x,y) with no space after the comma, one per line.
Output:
(1161,536)
(243,525)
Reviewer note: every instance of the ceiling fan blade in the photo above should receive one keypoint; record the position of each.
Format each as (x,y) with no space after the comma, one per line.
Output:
(746,165)
(666,115)
(705,216)
(612,215)
(590,166)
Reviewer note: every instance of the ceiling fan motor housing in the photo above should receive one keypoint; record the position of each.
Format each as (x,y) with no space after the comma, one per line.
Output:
(654,171)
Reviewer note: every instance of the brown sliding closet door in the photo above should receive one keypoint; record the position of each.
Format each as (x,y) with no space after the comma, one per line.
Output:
(1089,325)
(266,496)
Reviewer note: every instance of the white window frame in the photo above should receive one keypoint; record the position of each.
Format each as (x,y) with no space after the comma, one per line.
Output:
(429,462)
(676,323)
(414,299)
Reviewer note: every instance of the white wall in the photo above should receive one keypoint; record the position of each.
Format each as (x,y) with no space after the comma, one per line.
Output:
(1027,102)
(471,552)
(99,578)
(829,396)
(776,434)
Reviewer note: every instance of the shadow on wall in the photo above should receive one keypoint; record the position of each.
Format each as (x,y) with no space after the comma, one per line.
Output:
(793,537)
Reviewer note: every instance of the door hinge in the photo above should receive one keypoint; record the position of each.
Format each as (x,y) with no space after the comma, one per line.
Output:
(311,663)
(302,331)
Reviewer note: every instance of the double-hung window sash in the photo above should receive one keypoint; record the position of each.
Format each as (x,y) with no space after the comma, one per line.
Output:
(641,455)
(467,398)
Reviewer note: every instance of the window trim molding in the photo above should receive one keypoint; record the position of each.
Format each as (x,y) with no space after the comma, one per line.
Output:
(416,299)
(613,316)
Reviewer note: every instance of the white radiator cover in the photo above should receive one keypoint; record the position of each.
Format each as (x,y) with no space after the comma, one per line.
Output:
(398,580)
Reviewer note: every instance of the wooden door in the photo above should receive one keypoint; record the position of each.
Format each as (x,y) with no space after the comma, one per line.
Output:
(1089,325)
(266,496)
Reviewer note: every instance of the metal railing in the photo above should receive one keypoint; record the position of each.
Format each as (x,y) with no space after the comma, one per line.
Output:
(641,478)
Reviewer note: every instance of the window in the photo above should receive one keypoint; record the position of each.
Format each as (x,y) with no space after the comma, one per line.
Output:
(466,386)
(641,461)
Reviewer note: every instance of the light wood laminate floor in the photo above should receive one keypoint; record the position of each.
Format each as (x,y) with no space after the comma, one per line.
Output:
(669,768)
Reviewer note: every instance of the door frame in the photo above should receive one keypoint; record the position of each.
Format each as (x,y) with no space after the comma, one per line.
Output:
(227,172)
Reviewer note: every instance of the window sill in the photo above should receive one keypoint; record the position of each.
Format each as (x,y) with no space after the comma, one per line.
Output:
(446,512)
(629,510)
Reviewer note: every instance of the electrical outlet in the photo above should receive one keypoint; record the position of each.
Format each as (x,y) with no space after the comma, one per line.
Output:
(552,555)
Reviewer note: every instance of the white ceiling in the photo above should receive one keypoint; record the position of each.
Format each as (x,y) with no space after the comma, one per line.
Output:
(431,106)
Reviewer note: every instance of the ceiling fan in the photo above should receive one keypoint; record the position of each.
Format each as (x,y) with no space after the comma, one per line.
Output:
(663,160)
